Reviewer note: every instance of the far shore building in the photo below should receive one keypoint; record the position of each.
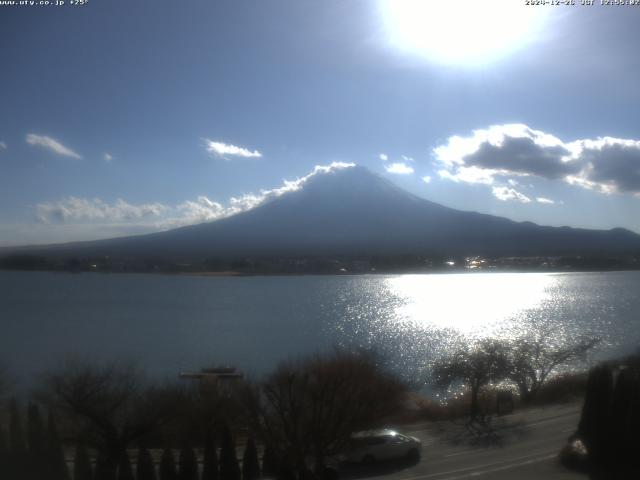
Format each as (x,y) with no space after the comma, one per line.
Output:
(221,379)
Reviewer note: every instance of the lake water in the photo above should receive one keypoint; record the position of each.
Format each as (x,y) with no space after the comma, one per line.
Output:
(176,323)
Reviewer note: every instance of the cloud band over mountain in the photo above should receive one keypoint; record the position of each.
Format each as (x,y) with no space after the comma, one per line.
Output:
(157,216)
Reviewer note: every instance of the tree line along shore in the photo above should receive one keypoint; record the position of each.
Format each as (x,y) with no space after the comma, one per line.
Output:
(317,264)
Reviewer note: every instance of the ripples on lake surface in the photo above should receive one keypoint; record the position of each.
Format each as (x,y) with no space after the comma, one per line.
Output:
(175,323)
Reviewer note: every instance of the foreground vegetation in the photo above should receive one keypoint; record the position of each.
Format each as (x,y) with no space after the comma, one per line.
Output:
(525,364)
(111,417)
(110,422)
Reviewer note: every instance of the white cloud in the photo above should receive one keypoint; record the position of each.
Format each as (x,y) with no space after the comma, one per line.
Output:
(384,157)
(73,209)
(467,175)
(407,159)
(399,168)
(157,216)
(108,157)
(51,144)
(196,211)
(221,149)
(605,164)
(3,146)
(545,200)
(426,179)
(251,200)
(507,194)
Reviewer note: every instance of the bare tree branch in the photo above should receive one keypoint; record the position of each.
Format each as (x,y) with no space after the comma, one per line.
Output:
(111,405)
(533,359)
(308,410)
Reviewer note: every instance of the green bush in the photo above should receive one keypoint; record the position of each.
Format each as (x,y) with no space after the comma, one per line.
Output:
(210,460)
(56,464)
(82,464)
(188,464)
(250,465)
(269,462)
(168,466)
(229,468)
(145,469)
(125,472)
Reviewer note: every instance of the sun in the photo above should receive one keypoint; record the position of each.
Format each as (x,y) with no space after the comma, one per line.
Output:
(461,32)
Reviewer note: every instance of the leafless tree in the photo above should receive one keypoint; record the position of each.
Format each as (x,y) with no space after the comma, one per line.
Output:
(211,408)
(475,366)
(308,409)
(534,358)
(110,405)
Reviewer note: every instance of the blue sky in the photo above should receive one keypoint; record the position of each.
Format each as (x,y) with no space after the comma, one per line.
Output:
(123,117)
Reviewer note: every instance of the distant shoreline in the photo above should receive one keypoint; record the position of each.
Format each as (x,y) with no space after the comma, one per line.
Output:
(409,272)
(232,273)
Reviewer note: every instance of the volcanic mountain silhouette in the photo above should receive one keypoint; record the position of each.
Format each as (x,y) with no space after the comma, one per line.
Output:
(352,211)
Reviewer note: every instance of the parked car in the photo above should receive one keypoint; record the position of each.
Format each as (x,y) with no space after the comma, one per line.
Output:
(376,445)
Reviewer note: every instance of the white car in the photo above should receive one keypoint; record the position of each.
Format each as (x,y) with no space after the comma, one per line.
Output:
(375,445)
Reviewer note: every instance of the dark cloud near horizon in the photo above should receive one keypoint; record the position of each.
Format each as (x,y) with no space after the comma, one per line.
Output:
(616,164)
(524,156)
(605,164)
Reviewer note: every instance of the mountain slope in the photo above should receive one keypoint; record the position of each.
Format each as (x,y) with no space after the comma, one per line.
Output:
(353,211)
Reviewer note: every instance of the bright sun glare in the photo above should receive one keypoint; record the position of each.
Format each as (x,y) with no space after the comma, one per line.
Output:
(472,304)
(461,32)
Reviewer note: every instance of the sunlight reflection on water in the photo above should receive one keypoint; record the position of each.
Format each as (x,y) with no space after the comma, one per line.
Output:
(412,320)
(474,305)
(172,323)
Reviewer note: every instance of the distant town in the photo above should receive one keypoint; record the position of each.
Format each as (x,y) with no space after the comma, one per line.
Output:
(317,265)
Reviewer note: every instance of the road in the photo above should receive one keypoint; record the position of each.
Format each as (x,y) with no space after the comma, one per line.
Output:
(525,447)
